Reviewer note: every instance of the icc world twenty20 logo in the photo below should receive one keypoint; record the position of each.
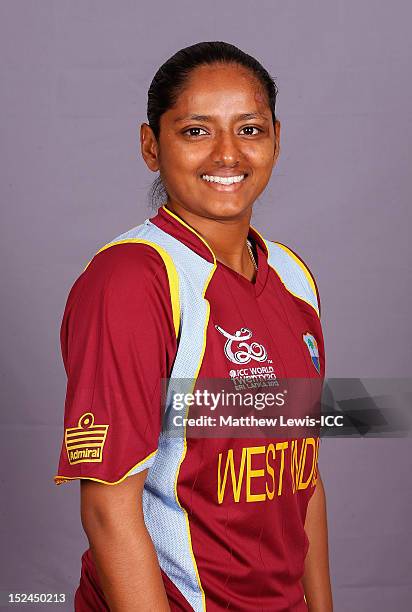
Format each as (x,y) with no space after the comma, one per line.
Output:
(242,352)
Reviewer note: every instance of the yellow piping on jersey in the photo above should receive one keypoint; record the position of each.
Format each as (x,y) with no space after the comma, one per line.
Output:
(209,278)
(282,246)
(295,294)
(301,264)
(61,479)
(171,274)
(260,236)
(191,229)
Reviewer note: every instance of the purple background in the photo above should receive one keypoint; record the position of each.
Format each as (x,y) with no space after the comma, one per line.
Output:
(74,77)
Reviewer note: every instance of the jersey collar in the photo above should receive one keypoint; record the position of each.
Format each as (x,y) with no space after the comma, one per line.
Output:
(174,225)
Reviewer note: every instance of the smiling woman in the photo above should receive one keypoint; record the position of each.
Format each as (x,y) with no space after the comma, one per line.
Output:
(196,293)
(220,132)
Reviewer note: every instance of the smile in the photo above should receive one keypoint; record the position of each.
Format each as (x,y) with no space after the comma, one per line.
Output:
(224,180)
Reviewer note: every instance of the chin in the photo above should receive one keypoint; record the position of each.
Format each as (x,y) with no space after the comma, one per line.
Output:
(226,209)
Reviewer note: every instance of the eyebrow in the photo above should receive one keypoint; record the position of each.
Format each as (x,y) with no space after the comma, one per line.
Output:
(241,117)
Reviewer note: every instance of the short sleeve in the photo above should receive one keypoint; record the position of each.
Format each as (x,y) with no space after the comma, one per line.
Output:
(118,341)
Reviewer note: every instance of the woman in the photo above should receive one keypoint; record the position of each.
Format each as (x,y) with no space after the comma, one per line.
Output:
(195,292)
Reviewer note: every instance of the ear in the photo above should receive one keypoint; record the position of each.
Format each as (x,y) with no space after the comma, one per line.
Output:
(149,147)
(277,142)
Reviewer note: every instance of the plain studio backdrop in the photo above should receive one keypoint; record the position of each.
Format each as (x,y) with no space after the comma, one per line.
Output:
(74,80)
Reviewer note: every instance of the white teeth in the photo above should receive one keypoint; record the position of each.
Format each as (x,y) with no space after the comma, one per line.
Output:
(223,180)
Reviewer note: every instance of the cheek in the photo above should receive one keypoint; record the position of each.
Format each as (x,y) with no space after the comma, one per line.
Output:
(182,157)
(179,167)
(261,157)
(180,162)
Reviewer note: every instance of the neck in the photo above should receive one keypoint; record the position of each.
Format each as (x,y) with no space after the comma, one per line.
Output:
(226,237)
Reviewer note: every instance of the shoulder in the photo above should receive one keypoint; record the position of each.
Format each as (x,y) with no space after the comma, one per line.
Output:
(126,274)
(294,272)
(126,260)
(133,266)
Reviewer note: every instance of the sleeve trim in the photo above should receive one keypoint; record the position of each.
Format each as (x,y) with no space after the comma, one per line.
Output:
(60,479)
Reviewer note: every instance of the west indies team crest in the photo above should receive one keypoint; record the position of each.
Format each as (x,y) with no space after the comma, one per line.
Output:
(312,345)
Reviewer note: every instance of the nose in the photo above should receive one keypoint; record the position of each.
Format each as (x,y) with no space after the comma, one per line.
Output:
(226,151)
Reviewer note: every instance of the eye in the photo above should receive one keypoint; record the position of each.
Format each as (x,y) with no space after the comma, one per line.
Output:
(250,128)
(194,131)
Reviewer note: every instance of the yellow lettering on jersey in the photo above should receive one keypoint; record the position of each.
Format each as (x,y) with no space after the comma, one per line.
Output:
(303,484)
(301,460)
(251,473)
(282,446)
(296,463)
(315,471)
(236,484)
(271,472)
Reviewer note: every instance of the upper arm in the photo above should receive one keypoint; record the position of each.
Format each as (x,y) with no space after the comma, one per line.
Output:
(111,507)
(118,342)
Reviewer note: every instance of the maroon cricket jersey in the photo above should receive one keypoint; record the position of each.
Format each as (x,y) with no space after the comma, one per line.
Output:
(244,499)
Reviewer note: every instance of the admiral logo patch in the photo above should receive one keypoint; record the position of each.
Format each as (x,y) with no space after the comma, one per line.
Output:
(85,442)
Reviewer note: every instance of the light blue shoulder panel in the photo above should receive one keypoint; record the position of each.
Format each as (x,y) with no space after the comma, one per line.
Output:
(165,519)
(291,274)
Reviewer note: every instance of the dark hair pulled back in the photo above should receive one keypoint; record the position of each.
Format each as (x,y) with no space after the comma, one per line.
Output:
(171,77)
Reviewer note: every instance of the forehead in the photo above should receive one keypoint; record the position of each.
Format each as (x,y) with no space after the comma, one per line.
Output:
(222,86)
